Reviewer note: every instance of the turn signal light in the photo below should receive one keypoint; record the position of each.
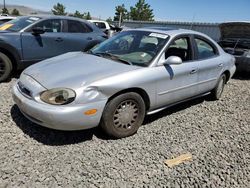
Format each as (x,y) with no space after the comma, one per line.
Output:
(90,112)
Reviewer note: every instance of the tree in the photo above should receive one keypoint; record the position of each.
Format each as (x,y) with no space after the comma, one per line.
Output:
(59,9)
(85,15)
(5,11)
(15,12)
(121,10)
(141,11)
(88,16)
(109,20)
(77,14)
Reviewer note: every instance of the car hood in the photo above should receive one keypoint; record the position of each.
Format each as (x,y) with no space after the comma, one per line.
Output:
(238,30)
(74,70)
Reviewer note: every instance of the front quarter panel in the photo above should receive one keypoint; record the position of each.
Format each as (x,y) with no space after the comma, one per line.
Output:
(144,78)
(12,43)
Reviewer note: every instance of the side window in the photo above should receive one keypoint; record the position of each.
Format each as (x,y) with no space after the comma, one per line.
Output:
(205,50)
(77,27)
(101,25)
(52,26)
(150,44)
(180,47)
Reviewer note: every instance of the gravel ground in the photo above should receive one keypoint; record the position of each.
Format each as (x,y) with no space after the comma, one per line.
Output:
(216,133)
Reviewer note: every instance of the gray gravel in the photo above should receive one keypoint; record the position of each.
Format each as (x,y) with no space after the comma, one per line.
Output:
(216,133)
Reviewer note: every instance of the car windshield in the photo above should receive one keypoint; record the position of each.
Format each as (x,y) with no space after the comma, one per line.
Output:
(19,23)
(132,47)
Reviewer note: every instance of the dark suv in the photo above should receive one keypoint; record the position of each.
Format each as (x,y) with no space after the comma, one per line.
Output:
(29,39)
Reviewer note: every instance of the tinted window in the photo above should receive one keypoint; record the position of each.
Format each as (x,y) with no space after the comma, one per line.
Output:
(77,27)
(101,25)
(205,50)
(53,26)
(181,48)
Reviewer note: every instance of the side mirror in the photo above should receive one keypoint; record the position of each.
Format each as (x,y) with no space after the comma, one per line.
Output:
(38,31)
(172,60)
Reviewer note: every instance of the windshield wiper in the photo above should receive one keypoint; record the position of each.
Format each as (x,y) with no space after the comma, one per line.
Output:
(113,57)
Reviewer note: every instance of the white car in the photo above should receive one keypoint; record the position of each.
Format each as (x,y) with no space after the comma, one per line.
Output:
(4,19)
(103,25)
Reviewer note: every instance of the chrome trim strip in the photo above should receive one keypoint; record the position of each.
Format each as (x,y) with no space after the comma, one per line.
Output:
(180,88)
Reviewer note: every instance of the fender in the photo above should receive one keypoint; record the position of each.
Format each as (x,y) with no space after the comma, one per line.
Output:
(13,52)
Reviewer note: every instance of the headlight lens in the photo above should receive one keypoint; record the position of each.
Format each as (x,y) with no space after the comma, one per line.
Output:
(59,96)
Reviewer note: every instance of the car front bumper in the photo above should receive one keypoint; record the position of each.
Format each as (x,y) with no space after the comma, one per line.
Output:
(67,118)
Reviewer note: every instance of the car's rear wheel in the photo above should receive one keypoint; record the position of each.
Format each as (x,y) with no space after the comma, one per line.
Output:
(218,90)
(123,115)
(5,67)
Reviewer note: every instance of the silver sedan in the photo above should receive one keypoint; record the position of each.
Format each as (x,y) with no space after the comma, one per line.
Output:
(118,82)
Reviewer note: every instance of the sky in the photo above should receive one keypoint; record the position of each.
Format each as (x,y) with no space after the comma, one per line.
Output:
(164,10)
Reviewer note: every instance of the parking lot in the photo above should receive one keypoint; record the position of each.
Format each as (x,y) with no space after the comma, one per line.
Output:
(216,133)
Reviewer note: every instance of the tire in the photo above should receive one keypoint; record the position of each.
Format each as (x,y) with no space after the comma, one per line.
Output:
(5,67)
(218,90)
(123,115)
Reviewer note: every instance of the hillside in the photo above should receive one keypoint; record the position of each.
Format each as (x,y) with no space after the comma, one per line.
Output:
(24,10)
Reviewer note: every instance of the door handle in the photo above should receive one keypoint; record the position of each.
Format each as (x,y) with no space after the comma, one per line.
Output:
(221,65)
(59,39)
(89,38)
(193,71)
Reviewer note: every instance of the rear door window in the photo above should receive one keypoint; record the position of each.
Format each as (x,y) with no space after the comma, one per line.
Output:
(205,50)
(78,27)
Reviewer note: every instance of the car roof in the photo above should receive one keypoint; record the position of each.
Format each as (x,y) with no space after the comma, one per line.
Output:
(56,17)
(6,17)
(97,21)
(169,31)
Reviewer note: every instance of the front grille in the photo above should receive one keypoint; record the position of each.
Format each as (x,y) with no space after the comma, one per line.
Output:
(25,91)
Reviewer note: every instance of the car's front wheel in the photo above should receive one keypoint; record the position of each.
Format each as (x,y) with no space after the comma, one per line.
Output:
(218,90)
(123,115)
(5,67)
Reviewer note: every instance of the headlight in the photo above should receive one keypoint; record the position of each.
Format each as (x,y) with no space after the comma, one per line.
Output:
(59,96)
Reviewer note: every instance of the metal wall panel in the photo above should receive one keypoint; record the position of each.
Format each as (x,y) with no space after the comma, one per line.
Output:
(211,29)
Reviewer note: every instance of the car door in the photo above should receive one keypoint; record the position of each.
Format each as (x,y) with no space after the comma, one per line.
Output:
(37,47)
(79,36)
(178,82)
(210,63)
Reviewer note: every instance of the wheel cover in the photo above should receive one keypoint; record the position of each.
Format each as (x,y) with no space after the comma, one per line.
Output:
(125,115)
(2,68)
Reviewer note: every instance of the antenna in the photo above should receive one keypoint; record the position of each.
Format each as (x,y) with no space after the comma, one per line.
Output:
(4,4)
